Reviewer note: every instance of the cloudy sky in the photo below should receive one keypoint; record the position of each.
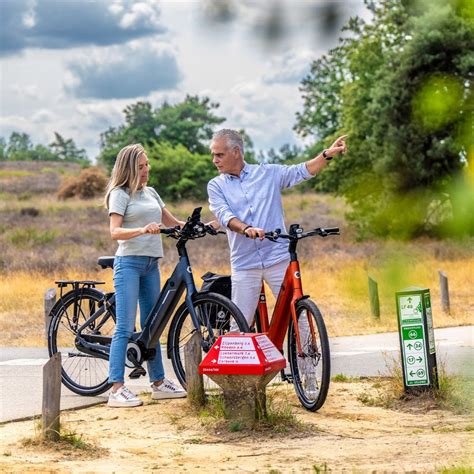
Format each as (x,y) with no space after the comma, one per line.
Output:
(72,66)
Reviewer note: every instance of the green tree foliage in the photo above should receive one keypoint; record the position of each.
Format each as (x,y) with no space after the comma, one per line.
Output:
(401,87)
(3,149)
(189,123)
(20,148)
(176,173)
(286,154)
(66,150)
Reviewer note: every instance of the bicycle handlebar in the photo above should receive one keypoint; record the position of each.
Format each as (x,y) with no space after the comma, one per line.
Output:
(299,234)
(191,230)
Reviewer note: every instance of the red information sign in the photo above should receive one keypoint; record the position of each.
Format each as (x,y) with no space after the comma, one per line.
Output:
(245,354)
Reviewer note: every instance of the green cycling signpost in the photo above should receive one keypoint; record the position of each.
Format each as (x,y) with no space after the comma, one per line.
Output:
(417,342)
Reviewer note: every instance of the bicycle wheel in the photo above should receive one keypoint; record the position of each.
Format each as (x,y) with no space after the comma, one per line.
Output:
(209,307)
(82,373)
(311,372)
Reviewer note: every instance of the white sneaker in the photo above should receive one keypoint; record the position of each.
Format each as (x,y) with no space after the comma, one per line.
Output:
(167,389)
(123,397)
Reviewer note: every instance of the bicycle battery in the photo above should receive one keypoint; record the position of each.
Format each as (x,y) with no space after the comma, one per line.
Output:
(220,284)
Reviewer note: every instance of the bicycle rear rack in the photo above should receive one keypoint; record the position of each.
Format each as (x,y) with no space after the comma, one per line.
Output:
(77,284)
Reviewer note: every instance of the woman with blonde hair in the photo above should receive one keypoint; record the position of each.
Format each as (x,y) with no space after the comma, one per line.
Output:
(136,211)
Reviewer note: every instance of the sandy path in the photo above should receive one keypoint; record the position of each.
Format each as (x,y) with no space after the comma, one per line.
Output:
(166,436)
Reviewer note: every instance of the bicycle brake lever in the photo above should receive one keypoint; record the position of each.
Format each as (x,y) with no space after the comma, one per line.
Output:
(210,230)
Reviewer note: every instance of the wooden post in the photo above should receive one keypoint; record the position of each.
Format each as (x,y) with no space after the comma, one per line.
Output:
(49,301)
(444,289)
(51,398)
(194,381)
(374,297)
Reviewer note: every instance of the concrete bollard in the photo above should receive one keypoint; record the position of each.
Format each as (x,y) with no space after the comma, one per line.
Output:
(242,365)
(245,396)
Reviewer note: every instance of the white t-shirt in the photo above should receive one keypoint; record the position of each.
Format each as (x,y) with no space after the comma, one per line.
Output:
(137,211)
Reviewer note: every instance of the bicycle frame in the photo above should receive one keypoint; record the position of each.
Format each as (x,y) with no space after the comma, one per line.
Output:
(290,293)
(180,281)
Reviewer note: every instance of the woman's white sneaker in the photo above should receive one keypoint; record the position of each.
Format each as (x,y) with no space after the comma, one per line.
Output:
(123,398)
(167,389)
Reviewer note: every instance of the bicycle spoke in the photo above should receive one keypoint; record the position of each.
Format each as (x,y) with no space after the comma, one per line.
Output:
(310,366)
(83,373)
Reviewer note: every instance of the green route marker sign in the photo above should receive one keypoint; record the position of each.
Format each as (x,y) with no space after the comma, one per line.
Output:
(415,324)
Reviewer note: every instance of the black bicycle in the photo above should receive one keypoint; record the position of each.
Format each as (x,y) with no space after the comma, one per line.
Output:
(83,320)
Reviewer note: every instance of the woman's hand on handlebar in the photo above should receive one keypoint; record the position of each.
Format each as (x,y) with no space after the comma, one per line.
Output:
(151,228)
(214,224)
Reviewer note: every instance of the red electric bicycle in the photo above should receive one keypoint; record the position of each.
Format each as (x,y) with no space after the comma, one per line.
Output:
(294,315)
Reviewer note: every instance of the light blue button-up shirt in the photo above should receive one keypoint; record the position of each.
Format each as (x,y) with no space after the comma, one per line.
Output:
(254,198)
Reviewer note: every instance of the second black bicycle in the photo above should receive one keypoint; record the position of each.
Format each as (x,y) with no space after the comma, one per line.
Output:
(83,320)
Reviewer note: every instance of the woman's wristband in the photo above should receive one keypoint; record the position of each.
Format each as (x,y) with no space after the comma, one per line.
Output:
(248,227)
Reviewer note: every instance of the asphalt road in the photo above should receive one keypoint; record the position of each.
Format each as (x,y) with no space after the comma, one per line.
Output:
(21,368)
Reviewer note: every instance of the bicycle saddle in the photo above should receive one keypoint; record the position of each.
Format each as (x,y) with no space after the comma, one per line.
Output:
(106,262)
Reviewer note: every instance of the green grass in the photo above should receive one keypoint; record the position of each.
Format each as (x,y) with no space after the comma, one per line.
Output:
(236,425)
(68,440)
(318,469)
(214,407)
(30,236)
(344,378)
(49,169)
(453,392)
(456,470)
(15,173)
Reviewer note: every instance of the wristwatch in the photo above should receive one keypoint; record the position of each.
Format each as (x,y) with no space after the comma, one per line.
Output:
(326,156)
(248,227)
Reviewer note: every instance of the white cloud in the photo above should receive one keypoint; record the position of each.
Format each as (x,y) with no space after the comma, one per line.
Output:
(141,13)
(290,67)
(266,112)
(16,123)
(43,116)
(30,90)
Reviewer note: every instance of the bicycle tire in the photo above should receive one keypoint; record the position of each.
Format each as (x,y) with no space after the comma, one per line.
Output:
(182,327)
(82,373)
(311,374)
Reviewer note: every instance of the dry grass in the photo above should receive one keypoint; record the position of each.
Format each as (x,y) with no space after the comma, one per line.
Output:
(340,292)
(64,240)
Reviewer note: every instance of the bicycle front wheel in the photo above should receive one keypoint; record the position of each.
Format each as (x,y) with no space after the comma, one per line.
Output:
(82,373)
(312,368)
(213,310)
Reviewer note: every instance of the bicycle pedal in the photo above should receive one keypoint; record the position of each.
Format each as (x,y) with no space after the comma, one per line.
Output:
(137,372)
(286,377)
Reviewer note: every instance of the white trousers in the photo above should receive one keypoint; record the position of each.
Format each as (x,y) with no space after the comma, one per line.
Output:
(246,285)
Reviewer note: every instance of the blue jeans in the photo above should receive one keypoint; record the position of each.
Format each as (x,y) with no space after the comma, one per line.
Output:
(135,279)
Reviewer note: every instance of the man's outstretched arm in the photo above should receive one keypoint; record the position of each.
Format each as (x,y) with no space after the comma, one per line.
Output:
(315,165)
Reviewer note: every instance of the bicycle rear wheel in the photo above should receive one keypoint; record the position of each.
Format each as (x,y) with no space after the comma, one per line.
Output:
(311,371)
(217,309)
(82,373)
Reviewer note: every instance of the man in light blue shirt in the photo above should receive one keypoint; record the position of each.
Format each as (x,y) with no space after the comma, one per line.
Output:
(246,200)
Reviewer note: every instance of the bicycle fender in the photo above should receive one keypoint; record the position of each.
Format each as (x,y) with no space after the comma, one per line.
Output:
(304,297)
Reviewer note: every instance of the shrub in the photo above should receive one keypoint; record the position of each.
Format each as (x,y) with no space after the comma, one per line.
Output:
(90,183)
